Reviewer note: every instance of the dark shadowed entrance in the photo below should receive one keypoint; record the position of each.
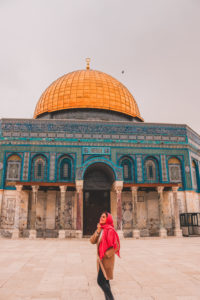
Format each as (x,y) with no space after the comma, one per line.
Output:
(98,180)
(95,202)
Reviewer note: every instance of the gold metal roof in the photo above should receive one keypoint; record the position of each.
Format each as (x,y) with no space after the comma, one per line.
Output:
(87,89)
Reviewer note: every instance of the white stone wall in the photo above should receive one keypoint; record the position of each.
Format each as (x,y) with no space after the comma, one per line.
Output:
(153,219)
(148,212)
(168,211)
(48,209)
(127,213)
(51,210)
(40,210)
(23,213)
(142,214)
(192,201)
(8,209)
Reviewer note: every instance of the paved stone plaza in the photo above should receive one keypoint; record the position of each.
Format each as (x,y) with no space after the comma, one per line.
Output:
(152,268)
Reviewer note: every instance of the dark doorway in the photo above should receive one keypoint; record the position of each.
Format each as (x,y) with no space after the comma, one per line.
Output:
(94,203)
(98,180)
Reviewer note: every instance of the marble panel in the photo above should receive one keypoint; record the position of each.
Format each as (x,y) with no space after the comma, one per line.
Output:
(51,210)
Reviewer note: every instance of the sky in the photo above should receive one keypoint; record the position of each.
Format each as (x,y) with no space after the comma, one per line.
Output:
(155,42)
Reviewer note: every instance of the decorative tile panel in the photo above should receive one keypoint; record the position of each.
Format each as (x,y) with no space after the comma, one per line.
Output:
(127,210)
(164,168)
(87,127)
(139,168)
(26,165)
(52,166)
(96,150)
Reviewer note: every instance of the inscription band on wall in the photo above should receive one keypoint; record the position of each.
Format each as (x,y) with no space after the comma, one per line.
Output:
(96,150)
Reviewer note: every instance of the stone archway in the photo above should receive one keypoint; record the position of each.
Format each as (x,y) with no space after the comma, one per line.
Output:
(98,180)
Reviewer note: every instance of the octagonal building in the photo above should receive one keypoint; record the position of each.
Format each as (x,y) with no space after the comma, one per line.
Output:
(88,150)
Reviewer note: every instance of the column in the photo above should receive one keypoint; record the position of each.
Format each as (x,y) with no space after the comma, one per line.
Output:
(162,230)
(79,204)
(32,231)
(136,232)
(177,230)
(118,186)
(15,232)
(62,211)
(146,204)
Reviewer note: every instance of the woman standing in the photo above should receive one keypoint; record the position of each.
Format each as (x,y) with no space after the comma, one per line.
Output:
(108,244)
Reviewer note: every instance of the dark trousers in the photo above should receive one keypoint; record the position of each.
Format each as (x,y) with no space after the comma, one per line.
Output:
(105,285)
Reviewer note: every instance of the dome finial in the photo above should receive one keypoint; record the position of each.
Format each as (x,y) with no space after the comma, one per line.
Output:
(88,63)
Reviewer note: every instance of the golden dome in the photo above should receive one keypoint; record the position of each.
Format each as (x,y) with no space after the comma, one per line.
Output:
(87,89)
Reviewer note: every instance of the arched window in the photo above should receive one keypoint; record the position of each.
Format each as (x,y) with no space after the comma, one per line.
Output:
(194,175)
(39,168)
(174,166)
(128,169)
(151,170)
(13,169)
(65,168)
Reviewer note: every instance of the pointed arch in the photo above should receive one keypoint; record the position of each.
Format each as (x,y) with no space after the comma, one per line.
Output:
(128,168)
(195,175)
(39,168)
(13,167)
(175,169)
(64,168)
(151,169)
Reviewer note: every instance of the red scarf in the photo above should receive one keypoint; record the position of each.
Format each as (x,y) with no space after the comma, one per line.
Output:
(109,238)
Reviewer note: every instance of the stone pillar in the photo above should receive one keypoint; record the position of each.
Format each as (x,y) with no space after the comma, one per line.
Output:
(32,231)
(162,230)
(145,232)
(136,232)
(177,230)
(62,211)
(15,232)
(79,204)
(118,186)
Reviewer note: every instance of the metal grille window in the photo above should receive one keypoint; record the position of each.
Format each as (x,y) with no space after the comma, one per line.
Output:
(65,169)
(127,169)
(175,173)
(175,170)
(150,170)
(126,175)
(194,175)
(39,169)
(13,170)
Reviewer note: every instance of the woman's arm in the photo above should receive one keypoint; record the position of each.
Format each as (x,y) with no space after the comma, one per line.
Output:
(110,252)
(94,238)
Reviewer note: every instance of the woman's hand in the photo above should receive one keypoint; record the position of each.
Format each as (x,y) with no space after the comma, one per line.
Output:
(98,228)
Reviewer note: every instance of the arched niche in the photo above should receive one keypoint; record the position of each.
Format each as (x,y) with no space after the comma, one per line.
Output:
(13,168)
(175,170)
(98,176)
(195,175)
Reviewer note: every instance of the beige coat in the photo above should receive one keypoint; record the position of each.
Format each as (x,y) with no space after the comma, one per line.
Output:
(108,261)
